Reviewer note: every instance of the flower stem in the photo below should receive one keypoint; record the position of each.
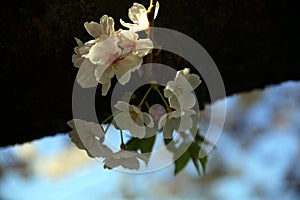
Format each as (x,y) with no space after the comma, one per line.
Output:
(122,146)
(107,119)
(122,139)
(145,96)
(163,98)
(106,129)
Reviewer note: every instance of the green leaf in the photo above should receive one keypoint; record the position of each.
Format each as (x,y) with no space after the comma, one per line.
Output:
(133,144)
(194,154)
(203,162)
(181,162)
(145,144)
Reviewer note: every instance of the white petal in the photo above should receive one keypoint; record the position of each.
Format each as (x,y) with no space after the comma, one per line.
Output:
(182,82)
(84,136)
(167,92)
(194,80)
(123,154)
(190,112)
(104,73)
(128,25)
(123,74)
(97,149)
(187,101)
(104,52)
(84,50)
(85,76)
(162,121)
(156,9)
(137,131)
(185,71)
(73,135)
(148,120)
(144,47)
(77,60)
(79,42)
(96,129)
(125,66)
(71,124)
(123,120)
(136,12)
(128,41)
(126,36)
(111,162)
(176,114)
(107,25)
(122,105)
(105,88)
(131,163)
(93,29)
(169,128)
(135,109)
(174,103)
(185,123)
(183,102)
(142,157)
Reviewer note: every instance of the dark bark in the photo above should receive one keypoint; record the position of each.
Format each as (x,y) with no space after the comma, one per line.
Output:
(254,44)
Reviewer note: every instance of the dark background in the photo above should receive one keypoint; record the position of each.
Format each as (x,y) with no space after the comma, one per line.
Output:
(254,44)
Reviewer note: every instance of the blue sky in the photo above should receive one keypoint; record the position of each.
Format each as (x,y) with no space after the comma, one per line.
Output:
(252,164)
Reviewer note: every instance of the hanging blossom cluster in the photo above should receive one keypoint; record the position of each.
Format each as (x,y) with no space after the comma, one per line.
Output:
(119,53)
(112,52)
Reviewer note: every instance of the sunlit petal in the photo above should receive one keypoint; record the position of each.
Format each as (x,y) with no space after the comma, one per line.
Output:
(85,76)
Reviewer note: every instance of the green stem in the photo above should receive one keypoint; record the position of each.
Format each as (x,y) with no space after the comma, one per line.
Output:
(162,97)
(122,146)
(122,139)
(107,119)
(145,96)
(147,105)
(106,129)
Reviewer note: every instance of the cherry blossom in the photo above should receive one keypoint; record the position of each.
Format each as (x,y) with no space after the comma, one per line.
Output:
(132,118)
(180,91)
(179,120)
(110,53)
(138,15)
(130,42)
(88,136)
(126,159)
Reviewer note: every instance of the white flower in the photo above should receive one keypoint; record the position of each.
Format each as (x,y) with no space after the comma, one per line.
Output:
(121,67)
(105,27)
(138,15)
(77,58)
(132,118)
(177,120)
(88,136)
(126,159)
(130,42)
(86,74)
(179,91)
(181,98)
(105,60)
(99,31)
(110,53)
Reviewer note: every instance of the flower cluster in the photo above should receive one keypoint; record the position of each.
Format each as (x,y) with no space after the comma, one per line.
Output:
(91,135)
(181,98)
(112,52)
(119,53)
